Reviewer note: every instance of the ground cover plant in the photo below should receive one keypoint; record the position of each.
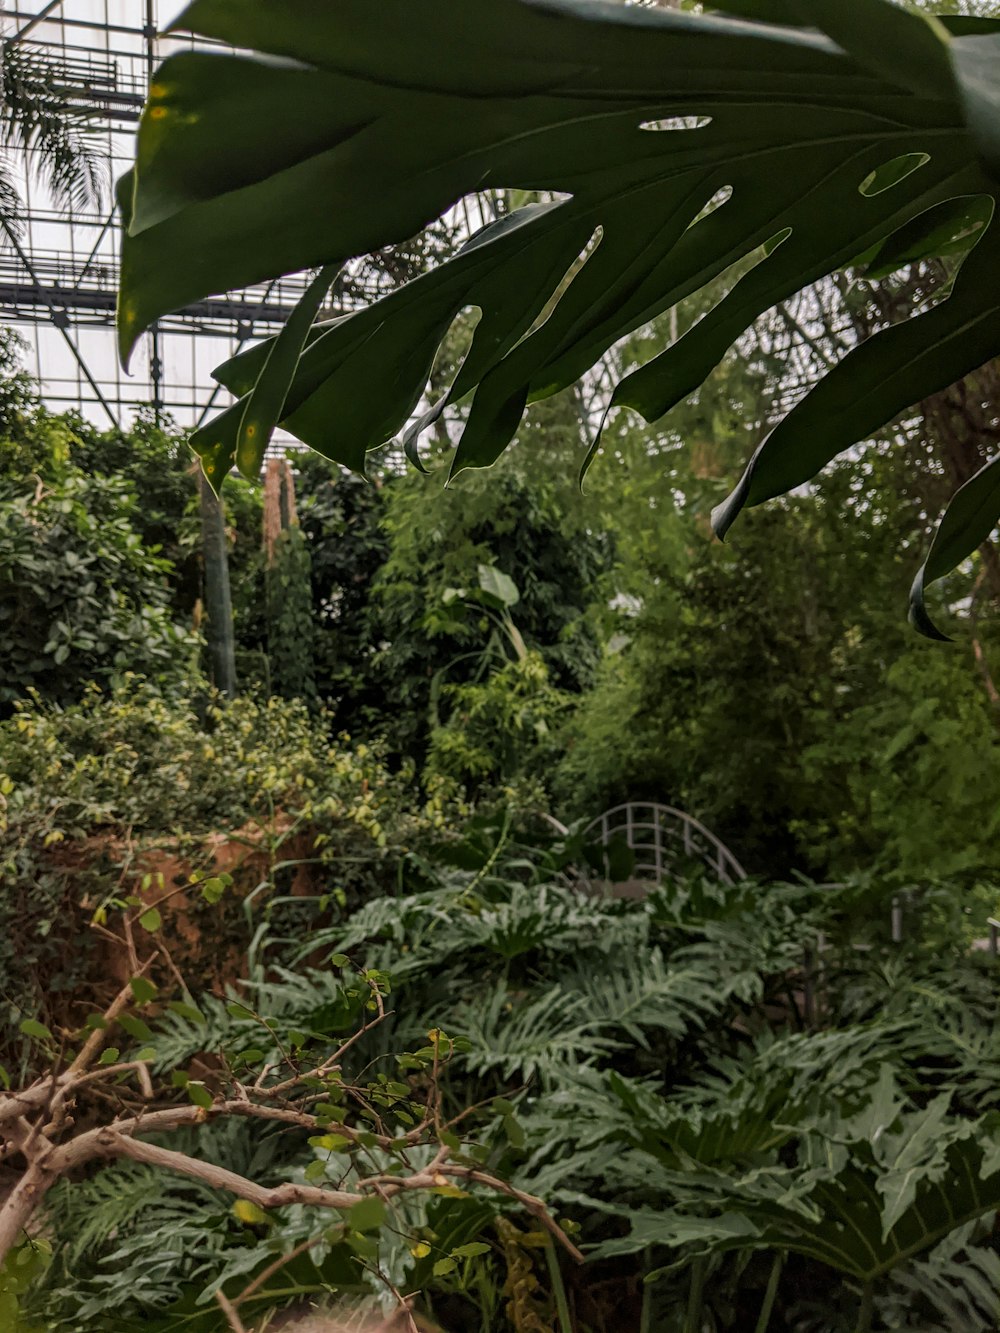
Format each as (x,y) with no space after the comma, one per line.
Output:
(725,1153)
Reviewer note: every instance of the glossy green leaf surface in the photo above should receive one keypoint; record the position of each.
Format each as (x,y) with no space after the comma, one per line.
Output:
(945,231)
(875,381)
(801,135)
(265,405)
(968,521)
(866,1194)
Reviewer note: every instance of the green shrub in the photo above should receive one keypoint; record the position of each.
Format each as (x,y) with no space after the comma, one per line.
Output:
(90,791)
(81,597)
(135,757)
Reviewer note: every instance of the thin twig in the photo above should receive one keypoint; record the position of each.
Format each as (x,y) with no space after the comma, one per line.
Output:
(276,1267)
(230,1311)
(433,1180)
(172,966)
(335,1059)
(92,1046)
(402,1301)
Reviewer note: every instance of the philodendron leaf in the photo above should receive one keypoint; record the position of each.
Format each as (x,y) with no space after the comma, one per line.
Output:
(976,60)
(970,518)
(788,137)
(360,378)
(910,50)
(498,585)
(265,404)
(798,15)
(857,1215)
(946,231)
(876,381)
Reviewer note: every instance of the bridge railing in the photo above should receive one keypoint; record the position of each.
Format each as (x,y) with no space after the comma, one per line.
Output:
(663,838)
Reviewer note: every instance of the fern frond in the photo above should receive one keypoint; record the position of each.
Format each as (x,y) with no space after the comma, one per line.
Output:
(646,991)
(59,137)
(540,1037)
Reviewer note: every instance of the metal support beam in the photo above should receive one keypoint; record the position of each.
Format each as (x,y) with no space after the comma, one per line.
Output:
(40,17)
(65,270)
(219,318)
(60,319)
(45,281)
(155,357)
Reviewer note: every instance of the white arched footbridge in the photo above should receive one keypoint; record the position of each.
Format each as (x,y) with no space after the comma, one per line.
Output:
(662,840)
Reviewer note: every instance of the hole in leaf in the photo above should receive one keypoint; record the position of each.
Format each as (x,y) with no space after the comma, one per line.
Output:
(720,197)
(892,173)
(677,123)
(948,230)
(568,278)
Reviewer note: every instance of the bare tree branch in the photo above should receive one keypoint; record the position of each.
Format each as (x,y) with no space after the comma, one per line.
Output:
(231,1313)
(108,1143)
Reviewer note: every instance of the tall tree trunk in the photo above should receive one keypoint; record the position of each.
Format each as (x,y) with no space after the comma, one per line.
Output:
(290,644)
(218,598)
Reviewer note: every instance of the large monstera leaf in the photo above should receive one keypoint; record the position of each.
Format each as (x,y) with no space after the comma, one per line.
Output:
(790,137)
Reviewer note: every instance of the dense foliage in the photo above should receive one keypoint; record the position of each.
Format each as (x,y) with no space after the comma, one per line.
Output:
(765,1131)
(309,995)
(101,797)
(684,1079)
(84,592)
(772,688)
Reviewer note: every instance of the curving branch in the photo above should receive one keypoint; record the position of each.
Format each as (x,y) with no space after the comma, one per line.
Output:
(37,1126)
(108,1143)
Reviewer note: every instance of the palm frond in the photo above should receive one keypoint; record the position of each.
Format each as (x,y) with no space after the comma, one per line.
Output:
(59,138)
(11,206)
